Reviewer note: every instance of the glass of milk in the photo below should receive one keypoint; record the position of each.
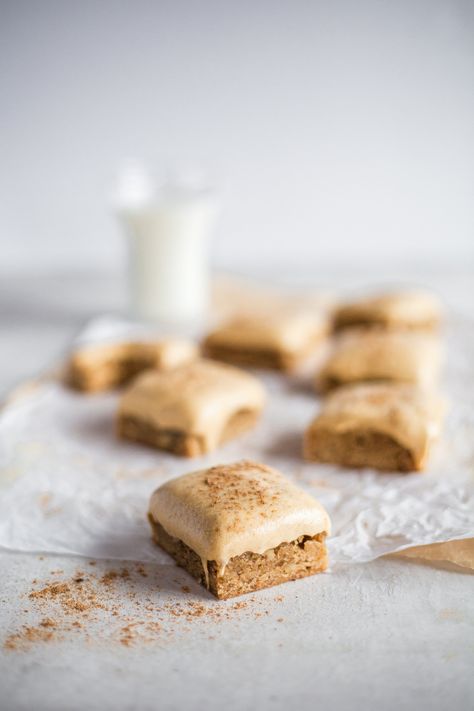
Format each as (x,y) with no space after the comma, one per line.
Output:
(168,228)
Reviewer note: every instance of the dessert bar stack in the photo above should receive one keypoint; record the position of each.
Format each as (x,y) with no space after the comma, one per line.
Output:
(382,408)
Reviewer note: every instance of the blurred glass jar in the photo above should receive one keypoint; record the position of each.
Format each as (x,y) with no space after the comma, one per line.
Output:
(169,228)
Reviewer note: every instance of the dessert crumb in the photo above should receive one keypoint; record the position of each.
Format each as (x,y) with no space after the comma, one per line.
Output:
(115,605)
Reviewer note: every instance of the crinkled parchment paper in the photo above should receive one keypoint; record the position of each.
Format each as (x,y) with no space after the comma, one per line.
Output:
(67,485)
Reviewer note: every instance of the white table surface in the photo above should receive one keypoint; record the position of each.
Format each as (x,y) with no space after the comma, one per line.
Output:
(392,634)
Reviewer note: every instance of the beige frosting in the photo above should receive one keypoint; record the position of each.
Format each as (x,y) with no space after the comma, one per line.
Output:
(198,398)
(175,352)
(163,354)
(229,510)
(378,355)
(409,415)
(288,330)
(408,308)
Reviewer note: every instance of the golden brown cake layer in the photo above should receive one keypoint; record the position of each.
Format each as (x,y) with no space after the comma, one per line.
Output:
(259,358)
(180,443)
(361,448)
(248,572)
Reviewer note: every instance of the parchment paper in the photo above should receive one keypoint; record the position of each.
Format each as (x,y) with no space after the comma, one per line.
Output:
(68,485)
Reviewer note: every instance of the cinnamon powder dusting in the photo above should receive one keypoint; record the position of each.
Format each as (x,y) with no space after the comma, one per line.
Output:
(118,606)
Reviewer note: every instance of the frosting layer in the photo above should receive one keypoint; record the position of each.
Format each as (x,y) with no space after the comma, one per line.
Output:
(228,510)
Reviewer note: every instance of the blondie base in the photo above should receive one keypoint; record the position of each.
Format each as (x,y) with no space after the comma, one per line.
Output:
(250,571)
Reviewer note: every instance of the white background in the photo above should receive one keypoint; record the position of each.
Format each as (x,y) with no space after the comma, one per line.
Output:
(337,131)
